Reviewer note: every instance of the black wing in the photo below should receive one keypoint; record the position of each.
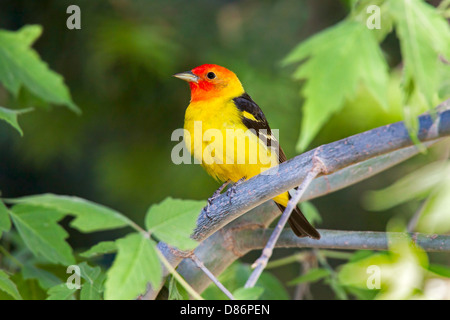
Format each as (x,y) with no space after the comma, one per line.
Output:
(261,127)
(244,103)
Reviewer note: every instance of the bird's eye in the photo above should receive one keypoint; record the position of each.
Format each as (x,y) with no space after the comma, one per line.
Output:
(211,75)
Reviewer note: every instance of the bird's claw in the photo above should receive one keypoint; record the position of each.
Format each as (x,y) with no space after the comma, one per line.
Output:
(215,195)
(208,206)
(207,210)
(232,191)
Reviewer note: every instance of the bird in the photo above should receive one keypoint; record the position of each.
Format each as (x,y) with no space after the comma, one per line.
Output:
(220,103)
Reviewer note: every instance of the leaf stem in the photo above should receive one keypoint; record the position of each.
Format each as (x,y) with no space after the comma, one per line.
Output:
(178,277)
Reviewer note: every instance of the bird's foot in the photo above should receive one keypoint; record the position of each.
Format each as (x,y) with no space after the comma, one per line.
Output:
(232,191)
(215,195)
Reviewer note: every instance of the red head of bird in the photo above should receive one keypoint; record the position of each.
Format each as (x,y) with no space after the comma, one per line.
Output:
(210,81)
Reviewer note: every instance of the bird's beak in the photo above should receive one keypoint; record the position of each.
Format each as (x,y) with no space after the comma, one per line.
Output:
(187,76)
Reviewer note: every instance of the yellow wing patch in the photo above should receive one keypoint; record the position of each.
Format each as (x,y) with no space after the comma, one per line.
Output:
(249,116)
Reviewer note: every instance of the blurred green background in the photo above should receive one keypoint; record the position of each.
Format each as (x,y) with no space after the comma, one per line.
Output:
(119,70)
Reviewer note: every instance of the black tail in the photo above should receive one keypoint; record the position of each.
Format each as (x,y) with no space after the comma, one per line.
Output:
(299,224)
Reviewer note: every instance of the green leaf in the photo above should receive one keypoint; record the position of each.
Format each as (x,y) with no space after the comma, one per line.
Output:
(89,273)
(20,66)
(423,35)
(313,275)
(90,291)
(93,287)
(435,217)
(441,270)
(46,279)
(5,222)
(136,265)
(431,177)
(359,13)
(61,292)
(100,248)
(434,186)
(173,221)
(29,289)
(177,291)
(334,63)
(10,116)
(248,293)
(89,215)
(311,213)
(355,274)
(41,233)
(235,277)
(397,274)
(8,286)
(362,294)
(361,254)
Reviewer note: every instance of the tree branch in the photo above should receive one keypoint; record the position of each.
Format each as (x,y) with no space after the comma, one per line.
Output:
(335,156)
(246,239)
(348,240)
(348,161)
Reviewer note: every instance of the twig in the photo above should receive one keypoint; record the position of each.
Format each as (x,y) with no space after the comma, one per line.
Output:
(303,289)
(261,263)
(334,283)
(177,276)
(200,264)
(296,257)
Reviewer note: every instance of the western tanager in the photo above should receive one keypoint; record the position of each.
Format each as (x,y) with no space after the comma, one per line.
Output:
(219,104)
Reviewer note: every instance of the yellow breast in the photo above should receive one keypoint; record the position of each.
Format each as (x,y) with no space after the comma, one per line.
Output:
(216,137)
